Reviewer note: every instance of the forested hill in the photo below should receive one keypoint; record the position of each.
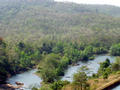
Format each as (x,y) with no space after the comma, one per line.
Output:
(55,35)
(64,7)
(35,20)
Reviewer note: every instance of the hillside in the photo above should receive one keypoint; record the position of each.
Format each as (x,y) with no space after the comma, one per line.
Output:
(32,20)
(51,36)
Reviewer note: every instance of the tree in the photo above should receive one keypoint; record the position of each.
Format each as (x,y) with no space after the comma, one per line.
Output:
(80,78)
(48,67)
(105,64)
(59,84)
(85,69)
(21,45)
(105,75)
(58,48)
(72,54)
(47,47)
(105,69)
(115,50)
(89,50)
(1,40)
(5,67)
(116,64)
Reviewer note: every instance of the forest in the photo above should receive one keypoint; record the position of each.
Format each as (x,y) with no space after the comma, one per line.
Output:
(50,36)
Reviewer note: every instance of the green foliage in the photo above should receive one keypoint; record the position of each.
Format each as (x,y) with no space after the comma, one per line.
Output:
(34,88)
(116,64)
(115,50)
(59,84)
(105,69)
(64,62)
(20,57)
(105,64)
(72,54)
(5,67)
(27,55)
(56,35)
(105,75)
(44,87)
(91,58)
(58,48)
(88,50)
(99,50)
(49,68)
(47,47)
(54,63)
(80,79)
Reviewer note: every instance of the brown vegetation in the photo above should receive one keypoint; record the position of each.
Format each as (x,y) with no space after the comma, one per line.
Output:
(100,84)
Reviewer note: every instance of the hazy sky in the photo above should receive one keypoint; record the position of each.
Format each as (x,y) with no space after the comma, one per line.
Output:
(110,2)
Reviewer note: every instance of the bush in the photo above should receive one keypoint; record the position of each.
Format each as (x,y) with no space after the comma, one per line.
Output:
(80,79)
(105,75)
(34,88)
(115,50)
(116,65)
(59,84)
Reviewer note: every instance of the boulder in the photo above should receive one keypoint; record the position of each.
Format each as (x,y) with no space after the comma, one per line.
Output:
(19,83)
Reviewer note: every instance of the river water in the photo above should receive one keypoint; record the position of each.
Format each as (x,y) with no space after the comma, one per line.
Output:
(117,88)
(93,66)
(30,79)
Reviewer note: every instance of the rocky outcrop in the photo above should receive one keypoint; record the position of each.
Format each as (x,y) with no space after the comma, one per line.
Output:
(19,83)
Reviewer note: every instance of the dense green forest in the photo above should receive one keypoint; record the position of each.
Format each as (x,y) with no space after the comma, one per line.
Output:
(50,36)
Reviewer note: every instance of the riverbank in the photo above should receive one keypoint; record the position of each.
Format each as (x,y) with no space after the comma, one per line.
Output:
(93,66)
(100,83)
(9,87)
(29,78)
(6,87)
(19,72)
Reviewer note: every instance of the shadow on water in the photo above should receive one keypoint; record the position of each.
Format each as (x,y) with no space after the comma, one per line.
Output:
(113,87)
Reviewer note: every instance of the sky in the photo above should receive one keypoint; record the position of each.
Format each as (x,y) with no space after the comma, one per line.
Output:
(108,2)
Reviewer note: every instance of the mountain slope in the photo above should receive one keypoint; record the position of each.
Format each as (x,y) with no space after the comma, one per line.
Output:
(32,20)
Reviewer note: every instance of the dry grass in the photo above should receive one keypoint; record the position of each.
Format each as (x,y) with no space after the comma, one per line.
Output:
(71,87)
(96,84)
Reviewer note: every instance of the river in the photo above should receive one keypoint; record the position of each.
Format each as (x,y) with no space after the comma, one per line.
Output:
(117,88)
(93,66)
(30,79)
